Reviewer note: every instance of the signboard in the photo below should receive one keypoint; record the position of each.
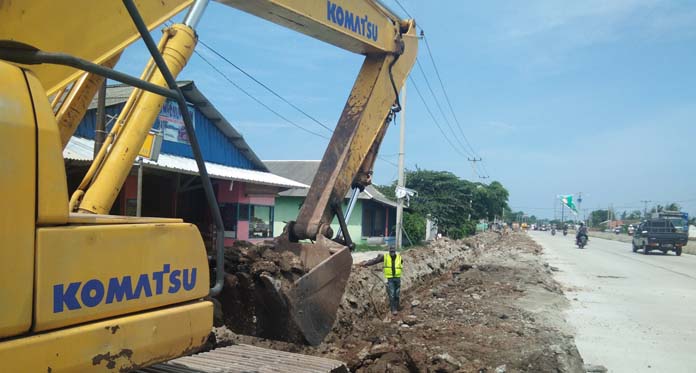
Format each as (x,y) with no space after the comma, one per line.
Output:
(151,146)
(172,123)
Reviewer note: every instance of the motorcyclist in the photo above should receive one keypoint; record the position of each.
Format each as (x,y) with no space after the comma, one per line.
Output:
(582,231)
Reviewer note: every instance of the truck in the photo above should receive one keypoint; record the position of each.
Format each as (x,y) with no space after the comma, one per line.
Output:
(679,219)
(659,234)
(85,291)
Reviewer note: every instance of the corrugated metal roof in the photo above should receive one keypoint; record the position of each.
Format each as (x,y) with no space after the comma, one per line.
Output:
(119,93)
(81,149)
(248,359)
(304,171)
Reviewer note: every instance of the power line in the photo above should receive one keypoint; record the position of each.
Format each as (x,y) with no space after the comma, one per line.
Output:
(271,109)
(264,86)
(485,170)
(404,9)
(444,116)
(271,91)
(444,91)
(256,99)
(427,108)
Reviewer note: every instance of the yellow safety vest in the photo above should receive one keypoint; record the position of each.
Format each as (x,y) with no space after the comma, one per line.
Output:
(392,270)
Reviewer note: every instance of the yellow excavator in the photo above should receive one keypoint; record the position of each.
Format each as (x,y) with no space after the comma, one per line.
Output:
(84,291)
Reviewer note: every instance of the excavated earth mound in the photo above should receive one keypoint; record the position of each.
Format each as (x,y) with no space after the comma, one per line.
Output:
(483,304)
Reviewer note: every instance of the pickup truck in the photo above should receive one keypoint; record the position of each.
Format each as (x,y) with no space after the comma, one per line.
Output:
(659,234)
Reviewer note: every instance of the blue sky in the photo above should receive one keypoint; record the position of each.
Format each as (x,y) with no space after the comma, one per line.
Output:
(556,97)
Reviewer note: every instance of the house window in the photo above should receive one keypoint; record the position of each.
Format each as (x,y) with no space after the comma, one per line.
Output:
(229,212)
(243,212)
(260,221)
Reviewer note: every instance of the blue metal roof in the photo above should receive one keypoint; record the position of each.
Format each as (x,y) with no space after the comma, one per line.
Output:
(219,141)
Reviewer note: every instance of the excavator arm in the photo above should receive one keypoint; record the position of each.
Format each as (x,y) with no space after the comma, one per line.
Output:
(390,46)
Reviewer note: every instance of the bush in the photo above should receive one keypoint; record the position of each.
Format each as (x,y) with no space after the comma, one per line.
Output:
(467,229)
(414,226)
(361,247)
(455,233)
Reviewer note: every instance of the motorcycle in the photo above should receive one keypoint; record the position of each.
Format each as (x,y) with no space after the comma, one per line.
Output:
(565,232)
(553,231)
(582,242)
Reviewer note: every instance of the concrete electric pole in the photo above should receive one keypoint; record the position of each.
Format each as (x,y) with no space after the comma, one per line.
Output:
(645,208)
(400,182)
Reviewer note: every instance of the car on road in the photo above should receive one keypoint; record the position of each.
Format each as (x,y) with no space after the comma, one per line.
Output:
(659,234)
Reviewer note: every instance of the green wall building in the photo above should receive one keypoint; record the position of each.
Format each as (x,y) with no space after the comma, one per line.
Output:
(373,218)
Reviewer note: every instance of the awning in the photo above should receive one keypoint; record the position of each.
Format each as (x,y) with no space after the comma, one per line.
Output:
(81,149)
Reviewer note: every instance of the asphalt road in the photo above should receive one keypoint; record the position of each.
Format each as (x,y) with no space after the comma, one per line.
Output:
(631,312)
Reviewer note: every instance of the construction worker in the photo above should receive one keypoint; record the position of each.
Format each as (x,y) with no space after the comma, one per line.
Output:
(393,265)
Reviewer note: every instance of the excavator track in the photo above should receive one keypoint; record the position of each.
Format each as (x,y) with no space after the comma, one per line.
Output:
(247,359)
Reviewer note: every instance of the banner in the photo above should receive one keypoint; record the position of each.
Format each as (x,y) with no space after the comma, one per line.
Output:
(567,200)
(172,123)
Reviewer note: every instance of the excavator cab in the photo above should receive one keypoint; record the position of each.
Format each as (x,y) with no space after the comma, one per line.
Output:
(85,292)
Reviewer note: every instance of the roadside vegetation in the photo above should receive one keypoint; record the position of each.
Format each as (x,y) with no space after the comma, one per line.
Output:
(454,204)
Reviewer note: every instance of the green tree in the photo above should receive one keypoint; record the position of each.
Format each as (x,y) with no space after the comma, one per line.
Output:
(673,207)
(387,190)
(598,216)
(455,204)
(635,215)
(441,194)
(515,216)
(414,225)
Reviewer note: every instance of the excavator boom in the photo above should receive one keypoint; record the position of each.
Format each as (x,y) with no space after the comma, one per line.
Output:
(390,46)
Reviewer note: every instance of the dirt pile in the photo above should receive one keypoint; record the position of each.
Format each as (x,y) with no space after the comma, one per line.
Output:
(484,304)
(365,293)
(246,300)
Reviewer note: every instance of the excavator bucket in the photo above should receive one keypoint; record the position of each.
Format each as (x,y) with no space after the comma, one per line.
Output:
(315,297)
(298,305)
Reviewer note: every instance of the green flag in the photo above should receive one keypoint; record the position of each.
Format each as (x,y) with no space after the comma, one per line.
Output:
(568,201)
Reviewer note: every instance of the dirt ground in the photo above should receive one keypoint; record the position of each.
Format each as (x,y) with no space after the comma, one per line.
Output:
(484,304)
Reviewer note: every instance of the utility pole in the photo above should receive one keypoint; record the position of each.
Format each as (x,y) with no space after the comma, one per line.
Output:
(610,215)
(100,127)
(473,166)
(645,208)
(400,182)
(471,201)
